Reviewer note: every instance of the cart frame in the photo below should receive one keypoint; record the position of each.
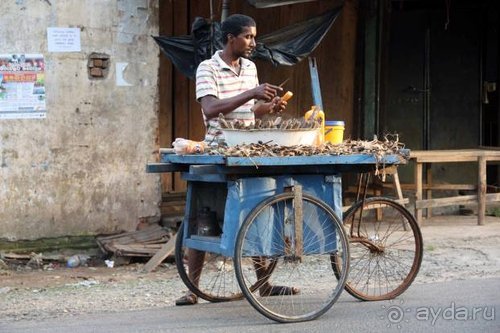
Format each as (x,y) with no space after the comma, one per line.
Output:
(240,188)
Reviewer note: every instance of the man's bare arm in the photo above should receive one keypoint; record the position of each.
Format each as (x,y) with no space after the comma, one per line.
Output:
(212,106)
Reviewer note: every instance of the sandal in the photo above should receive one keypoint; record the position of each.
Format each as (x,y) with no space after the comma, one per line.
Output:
(278,291)
(188,299)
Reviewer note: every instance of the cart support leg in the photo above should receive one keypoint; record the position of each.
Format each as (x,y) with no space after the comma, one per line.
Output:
(298,222)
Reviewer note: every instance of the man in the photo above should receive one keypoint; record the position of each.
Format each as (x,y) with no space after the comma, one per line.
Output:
(228,84)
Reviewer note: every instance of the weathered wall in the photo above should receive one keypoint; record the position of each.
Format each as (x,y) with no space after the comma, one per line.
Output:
(82,169)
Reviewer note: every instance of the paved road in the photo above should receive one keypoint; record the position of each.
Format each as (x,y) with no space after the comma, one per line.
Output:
(457,306)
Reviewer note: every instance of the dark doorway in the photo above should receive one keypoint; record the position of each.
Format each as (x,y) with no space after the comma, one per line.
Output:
(438,55)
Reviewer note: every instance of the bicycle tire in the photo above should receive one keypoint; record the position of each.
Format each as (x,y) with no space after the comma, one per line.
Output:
(217,279)
(376,272)
(311,272)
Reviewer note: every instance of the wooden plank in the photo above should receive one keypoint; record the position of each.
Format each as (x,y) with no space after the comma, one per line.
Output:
(338,81)
(156,241)
(418,193)
(449,201)
(378,206)
(160,255)
(491,155)
(454,155)
(173,210)
(152,232)
(397,185)
(438,187)
(180,84)
(481,190)
(165,114)
(299,220)
(428,192)
(460,200)
(445,158)
(173,203)
(137,249)
(173,196)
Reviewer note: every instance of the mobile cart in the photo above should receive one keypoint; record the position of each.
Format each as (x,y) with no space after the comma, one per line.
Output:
(262,221)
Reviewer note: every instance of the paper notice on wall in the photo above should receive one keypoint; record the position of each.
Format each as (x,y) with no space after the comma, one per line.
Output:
(63,39)
(22,86)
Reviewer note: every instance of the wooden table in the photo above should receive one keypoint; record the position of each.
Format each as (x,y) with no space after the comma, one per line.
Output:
(480,156)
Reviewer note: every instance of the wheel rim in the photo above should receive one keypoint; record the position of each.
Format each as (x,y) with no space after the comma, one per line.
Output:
(319,288)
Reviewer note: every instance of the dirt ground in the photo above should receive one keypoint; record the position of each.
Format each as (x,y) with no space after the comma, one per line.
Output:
(455,248)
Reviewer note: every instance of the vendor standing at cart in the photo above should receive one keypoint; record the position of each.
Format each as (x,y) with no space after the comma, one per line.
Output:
(228,84)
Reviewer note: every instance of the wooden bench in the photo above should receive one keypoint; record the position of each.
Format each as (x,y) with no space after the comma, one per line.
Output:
(479,156)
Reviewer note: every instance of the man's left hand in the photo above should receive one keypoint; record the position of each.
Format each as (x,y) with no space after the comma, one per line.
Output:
(277,105)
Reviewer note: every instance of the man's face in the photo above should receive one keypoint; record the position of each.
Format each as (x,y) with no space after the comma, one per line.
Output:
(244,44)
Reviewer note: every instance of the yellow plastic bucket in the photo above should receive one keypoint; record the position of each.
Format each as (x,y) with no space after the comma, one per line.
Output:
(321,116)
(334,131)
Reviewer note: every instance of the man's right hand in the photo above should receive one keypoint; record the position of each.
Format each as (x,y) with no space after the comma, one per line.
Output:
(266,92)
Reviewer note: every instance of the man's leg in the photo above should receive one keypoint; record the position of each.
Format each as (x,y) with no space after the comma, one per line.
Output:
(195,260)
(261,270)
(195,264)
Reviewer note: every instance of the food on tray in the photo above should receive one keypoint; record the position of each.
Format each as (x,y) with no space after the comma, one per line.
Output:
(276,123)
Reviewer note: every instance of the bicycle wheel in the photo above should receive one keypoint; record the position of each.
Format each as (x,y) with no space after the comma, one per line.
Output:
(270,231)
(386,249)
(217,281)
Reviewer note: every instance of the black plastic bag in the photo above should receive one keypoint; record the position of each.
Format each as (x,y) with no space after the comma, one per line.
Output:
(286,46)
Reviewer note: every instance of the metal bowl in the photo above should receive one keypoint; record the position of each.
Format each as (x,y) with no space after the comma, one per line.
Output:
(292,137)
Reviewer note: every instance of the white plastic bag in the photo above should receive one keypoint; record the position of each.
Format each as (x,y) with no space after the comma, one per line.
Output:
(185,146)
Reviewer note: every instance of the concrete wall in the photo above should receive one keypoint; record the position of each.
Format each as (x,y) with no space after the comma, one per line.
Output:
(81,170)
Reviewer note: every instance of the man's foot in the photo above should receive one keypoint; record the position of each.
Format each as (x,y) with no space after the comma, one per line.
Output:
(188,299)
(278,291)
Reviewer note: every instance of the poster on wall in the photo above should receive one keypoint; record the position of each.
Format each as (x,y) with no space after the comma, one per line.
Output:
(22,86)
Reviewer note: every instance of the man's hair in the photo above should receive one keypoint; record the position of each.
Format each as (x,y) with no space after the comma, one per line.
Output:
(234,25)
